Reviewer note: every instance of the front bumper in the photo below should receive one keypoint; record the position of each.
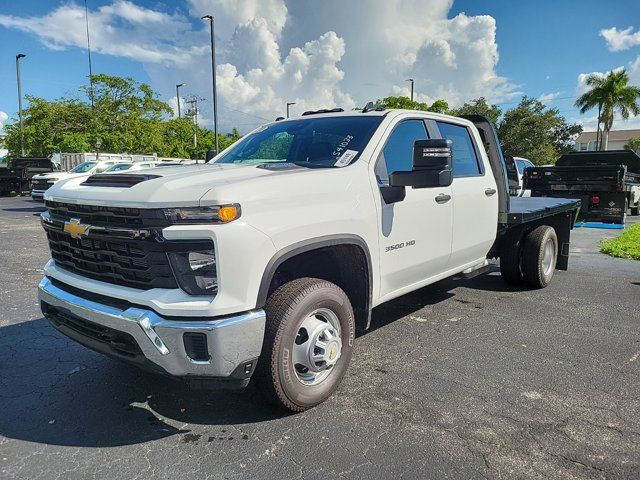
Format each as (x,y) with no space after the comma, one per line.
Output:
(143,337)
(37,194)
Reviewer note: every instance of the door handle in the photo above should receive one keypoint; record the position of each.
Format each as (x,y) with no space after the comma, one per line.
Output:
(490,191)
(442,198)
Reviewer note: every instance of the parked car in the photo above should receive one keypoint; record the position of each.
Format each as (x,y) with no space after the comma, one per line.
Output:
(263,262)
(132,167)
(607,183)
(519,165)
(40,183)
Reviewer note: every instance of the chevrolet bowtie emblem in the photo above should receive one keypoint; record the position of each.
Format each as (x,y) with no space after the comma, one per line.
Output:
(74,228)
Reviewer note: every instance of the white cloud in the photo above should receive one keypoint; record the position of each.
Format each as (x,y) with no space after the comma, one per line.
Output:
(547,98)
(271,52)
(3,118)
(620,39)
(121,29)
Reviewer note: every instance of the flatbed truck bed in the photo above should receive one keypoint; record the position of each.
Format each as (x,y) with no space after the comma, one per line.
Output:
(528,209)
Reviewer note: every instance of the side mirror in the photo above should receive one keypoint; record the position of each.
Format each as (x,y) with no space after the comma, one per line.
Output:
(432,161)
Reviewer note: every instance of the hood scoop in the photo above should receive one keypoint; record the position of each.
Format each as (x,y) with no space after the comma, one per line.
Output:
(116,180)
(279,166)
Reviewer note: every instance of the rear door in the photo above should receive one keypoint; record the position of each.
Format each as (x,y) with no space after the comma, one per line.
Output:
(415,233)
(474,195)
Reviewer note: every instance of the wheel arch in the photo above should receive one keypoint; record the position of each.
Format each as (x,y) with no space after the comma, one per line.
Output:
(360,294)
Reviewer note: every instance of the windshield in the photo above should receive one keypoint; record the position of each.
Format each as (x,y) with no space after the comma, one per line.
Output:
(118,167)
(83,167)
(310,142)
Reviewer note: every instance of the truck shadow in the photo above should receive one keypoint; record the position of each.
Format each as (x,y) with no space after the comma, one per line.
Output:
(433,294)
(54,391)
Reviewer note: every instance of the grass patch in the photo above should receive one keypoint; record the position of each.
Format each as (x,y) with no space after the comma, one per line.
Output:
(627,245)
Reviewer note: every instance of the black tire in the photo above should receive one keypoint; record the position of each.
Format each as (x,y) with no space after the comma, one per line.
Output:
(635,211)
(510,264)
(533,253)
(286,309)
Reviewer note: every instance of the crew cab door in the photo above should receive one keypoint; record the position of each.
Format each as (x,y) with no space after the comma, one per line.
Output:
(474,196)
(415,232)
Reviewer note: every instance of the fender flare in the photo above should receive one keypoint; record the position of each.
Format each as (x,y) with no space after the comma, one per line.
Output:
(304,246)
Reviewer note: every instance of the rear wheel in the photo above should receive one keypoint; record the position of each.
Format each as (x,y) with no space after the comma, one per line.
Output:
(539,256)
(634,210)
(308,343)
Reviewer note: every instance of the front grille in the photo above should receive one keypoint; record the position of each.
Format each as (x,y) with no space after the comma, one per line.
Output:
(108,216)
(141,264)
(112,253)
(120,343)
(40,185)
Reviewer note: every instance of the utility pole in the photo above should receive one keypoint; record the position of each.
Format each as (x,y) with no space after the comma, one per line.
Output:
(86,17)
(410,80)
(178,96)
(288,105)
(18,57)
(213,75)
(193,112)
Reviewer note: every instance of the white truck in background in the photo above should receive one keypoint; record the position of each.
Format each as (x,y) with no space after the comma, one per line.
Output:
(82,164)
(263,262)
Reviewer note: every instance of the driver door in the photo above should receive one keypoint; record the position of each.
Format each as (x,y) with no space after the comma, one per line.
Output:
(415,233)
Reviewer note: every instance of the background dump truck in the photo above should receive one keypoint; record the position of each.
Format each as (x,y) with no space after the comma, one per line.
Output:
(606,183)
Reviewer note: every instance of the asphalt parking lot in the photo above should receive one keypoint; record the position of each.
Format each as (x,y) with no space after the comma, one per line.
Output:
(462,379)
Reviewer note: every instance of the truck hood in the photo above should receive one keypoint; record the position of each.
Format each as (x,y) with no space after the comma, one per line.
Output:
(168,186)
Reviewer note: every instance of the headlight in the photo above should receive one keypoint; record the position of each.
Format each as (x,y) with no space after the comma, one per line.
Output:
(194,215)
(52,181)
(195,271)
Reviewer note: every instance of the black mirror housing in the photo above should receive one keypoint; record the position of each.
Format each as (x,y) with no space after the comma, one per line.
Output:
(432,165)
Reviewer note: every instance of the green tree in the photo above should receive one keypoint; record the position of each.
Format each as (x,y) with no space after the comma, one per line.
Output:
(610,93)
(48,126)
(479,106)
(535,131)
(439,106)
(127,117)
(633,144)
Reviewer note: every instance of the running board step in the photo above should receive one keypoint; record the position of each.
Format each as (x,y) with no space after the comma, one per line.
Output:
(474,271)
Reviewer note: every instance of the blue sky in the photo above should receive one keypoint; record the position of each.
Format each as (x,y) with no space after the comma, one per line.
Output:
(274,51)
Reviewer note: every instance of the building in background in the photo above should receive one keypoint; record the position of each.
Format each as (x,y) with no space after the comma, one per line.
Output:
(586,141)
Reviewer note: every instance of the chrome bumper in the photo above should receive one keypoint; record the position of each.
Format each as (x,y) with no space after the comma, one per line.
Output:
(233,342)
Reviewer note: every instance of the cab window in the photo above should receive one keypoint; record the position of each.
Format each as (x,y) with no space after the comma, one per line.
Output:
(397,154)
(465,158)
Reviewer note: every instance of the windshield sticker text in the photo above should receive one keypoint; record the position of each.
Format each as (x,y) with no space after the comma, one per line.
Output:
(342,145)
(346,158)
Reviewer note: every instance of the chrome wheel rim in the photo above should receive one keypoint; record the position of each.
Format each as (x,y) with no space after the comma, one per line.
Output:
(548,258)
(317,346)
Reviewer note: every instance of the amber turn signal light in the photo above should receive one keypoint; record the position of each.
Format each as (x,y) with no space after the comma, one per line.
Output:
(227,213)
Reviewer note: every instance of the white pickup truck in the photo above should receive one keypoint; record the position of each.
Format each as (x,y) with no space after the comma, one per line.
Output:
(264,262)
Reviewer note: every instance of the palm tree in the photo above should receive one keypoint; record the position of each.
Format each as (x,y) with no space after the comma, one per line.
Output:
(609,93)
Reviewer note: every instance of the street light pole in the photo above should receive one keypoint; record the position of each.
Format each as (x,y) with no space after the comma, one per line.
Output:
(178,97)
(410,80)
(213,74)
(18,57)
(86,17)
(288,105)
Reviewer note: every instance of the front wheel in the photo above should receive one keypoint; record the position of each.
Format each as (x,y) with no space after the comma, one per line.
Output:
(308,343)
